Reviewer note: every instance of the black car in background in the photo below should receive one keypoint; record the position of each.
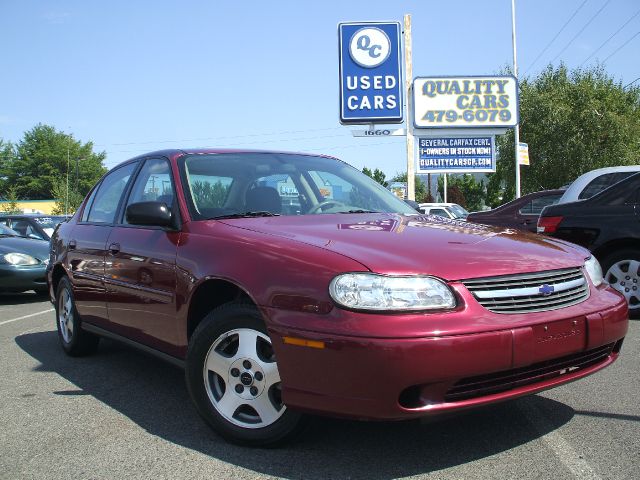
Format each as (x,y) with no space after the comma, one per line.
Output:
(608,224)
(521,213)
(33,226)
(23,262)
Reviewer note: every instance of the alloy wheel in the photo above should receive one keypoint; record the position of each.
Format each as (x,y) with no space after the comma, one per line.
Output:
(65,315)
(624,276)
(242,380)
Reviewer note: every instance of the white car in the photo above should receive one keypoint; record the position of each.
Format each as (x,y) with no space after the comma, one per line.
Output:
(590,183)
(446,210)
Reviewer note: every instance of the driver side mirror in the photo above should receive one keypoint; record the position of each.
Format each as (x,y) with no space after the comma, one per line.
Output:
(153,214)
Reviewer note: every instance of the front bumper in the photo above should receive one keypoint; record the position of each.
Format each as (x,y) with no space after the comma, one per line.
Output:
(396,378)
(20,278)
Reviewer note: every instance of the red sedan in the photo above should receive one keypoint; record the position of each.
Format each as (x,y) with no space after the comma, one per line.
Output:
(289,283)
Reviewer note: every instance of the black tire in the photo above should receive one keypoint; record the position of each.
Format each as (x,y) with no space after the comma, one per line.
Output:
(623,258)
(218,334)
(75,341)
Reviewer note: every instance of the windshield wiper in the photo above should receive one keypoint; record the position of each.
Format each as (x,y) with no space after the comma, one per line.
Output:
(359,211)
(262,213)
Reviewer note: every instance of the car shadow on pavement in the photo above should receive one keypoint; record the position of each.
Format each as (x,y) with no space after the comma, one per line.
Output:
(153,395)
(22,298)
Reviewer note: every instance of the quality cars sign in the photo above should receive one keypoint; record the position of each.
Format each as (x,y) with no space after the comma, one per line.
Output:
(465,102)
(370,74)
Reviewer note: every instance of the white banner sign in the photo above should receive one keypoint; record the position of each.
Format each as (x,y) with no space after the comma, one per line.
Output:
(465,102)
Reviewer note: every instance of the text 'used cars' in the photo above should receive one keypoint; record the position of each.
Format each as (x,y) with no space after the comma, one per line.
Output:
(288,284)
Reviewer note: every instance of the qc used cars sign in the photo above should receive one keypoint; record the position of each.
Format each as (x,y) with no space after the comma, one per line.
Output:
(370,79)
(465,102)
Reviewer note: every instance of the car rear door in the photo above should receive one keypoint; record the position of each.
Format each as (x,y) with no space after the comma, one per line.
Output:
(86,246)
(141,266)
(527,216)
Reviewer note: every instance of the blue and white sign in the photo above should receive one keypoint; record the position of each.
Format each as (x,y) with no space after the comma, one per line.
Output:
(370,73)
(456,155)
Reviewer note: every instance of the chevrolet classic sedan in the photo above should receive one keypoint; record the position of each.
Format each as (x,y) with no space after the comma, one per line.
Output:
(287,284)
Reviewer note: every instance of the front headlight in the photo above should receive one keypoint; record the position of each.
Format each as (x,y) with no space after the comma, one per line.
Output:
(20,259)
(369,291)
(594,270)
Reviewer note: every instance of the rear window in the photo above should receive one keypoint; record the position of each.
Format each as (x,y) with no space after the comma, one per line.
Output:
(600,183)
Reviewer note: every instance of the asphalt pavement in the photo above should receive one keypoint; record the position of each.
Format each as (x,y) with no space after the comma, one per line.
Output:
(122,414)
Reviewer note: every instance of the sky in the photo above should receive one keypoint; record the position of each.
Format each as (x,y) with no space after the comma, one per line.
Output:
(137,76)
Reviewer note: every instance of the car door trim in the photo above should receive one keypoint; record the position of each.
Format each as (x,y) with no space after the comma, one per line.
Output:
(132,343)
(156,294)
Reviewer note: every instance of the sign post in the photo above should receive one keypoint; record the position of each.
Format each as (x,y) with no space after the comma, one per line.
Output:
(408,68)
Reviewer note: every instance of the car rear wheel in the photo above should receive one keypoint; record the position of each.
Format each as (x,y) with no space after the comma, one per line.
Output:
(233,378)
(75,341)
(623,273)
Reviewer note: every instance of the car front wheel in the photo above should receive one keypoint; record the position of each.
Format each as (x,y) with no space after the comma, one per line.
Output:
(233,379)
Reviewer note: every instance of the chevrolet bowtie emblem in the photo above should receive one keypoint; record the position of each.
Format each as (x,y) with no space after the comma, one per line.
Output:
(545,290)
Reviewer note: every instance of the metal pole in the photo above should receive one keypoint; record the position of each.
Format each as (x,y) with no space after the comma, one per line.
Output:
(66,202)
(445,188)
(408,79)
(516,129)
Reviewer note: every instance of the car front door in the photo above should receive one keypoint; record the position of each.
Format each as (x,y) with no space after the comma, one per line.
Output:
(141,266)
(86,248)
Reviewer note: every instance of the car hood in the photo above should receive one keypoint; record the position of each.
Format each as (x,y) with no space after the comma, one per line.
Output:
(36,248)
(423,244)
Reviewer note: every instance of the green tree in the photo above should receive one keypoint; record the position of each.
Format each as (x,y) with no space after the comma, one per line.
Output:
(64,206)
(573,122)
(421,188)
(11,206)
(378,175)
(46,157)
(209,195)
(463,190)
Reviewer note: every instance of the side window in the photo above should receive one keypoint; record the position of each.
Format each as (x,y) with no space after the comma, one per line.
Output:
(536,205)
(287,191)
(527,208)
(341,190)
(600,183)
(104,206)
(87,206)
(153,184)
(210,191)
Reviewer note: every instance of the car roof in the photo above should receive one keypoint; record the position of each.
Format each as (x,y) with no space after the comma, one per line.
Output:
(577,186)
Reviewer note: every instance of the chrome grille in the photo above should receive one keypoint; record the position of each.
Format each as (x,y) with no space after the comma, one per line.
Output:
(530,292)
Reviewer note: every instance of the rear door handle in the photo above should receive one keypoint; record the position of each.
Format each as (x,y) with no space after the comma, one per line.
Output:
(114,248)
(72,245)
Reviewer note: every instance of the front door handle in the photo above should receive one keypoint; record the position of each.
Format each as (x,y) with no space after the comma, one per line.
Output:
(72,245)
(114,248)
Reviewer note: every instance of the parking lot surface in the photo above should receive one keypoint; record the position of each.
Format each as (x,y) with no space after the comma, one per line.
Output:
(122,414)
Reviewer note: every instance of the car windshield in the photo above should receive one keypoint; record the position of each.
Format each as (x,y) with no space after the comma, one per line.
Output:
(49,222)
(459,211)
(231,185)
(6,231)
